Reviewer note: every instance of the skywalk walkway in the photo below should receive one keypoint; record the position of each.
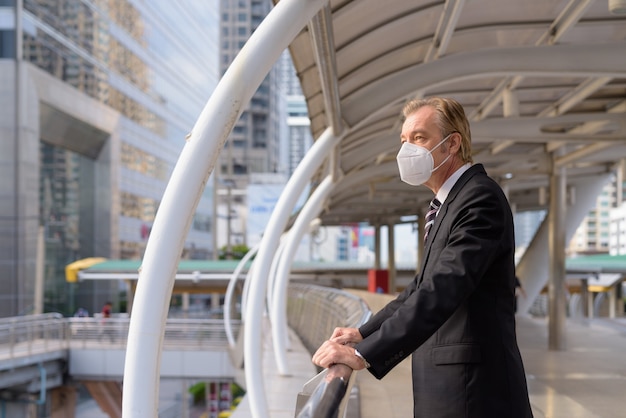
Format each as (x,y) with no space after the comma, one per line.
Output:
(585,381)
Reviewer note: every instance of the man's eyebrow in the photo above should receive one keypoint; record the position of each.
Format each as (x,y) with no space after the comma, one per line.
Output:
(416,132)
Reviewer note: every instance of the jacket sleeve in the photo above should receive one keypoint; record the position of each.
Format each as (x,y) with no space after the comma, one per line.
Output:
(388,310)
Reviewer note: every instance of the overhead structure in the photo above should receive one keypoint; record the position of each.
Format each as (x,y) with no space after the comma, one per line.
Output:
(560,64)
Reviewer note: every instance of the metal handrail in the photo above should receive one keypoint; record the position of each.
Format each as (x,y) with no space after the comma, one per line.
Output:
(327,394)
(313,313)
(30,334)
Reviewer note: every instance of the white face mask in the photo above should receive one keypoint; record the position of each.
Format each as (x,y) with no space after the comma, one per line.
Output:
(416,162)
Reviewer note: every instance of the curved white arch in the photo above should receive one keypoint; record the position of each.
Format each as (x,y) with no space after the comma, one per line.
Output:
(272,274)
(230,290)
(279,306)
(172,222)
(258,284)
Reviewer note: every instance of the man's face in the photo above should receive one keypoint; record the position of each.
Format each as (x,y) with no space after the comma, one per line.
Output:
(421,128)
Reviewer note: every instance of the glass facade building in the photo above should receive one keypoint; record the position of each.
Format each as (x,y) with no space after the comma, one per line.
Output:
(100,95)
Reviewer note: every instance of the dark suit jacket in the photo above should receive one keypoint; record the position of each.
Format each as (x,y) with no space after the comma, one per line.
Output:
(457,317)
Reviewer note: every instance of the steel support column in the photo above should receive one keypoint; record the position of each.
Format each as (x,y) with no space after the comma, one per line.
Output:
(556,240)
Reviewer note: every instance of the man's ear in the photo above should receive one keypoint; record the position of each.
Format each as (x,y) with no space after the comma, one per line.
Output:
(454,142)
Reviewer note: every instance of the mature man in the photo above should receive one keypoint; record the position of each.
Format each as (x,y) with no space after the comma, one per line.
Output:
(457,316)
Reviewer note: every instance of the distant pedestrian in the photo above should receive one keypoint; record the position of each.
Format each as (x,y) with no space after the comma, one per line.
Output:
(81,313)
(106,310)
(107,327)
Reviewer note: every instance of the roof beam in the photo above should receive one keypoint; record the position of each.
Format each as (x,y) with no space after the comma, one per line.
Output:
(321,29)
(575,96)
(445,28)
(580,153)
(605,60)
(532,129)
(570,15)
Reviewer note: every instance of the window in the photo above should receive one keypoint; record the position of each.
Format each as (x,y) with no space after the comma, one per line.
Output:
(7,44)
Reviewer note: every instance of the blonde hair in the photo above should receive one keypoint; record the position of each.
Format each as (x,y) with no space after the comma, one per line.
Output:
(450,118)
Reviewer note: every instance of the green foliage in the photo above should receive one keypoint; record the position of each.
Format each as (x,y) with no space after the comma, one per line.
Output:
(197,392)
(237,252)
(236,390)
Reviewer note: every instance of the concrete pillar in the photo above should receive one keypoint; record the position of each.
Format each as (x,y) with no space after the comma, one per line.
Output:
(392,259)
(556,284)
(377,246)
(612,296)
(185,303)
(619,298)
(584,298)
(215,300)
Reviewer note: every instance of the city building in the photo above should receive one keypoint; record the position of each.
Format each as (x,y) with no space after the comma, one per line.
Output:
(253,146)
(593,234)
(97,98)
(617,228)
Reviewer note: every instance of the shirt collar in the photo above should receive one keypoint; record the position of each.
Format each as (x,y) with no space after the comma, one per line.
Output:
(444,191)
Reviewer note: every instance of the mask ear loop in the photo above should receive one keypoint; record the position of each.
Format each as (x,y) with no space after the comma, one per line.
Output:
(437,146)
(442,163)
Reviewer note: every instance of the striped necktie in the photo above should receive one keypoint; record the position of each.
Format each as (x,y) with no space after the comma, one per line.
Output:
(431,215)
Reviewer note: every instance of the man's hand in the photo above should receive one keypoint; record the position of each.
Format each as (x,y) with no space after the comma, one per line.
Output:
(331,352)
(346,336)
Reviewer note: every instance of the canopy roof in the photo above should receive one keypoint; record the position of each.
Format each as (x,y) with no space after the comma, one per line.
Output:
(599,263)
(102,268)
(540,80)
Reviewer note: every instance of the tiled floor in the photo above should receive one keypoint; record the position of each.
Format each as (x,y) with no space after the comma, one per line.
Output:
(586,380)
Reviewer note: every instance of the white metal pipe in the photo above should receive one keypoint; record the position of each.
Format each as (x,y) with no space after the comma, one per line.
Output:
(269,242)
(230,290)
(171,225)
(272,275)
(532,268)
(246,291)
(278,309)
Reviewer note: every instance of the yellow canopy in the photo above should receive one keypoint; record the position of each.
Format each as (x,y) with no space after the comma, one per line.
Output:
(72,269)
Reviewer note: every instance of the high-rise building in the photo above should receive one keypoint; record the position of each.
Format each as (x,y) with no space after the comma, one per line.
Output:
(254,145)
(593,234)
(97,97)
(251,147)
